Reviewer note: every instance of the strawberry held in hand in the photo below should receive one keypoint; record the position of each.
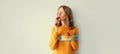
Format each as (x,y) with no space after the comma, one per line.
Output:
(58,21)
(58,18)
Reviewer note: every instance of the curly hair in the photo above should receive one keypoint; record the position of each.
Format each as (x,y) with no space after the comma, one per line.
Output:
(69,14)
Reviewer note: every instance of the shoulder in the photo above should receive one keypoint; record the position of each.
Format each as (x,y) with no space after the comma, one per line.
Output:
(75,28)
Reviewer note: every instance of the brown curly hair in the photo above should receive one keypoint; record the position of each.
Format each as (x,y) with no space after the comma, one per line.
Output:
(69,14)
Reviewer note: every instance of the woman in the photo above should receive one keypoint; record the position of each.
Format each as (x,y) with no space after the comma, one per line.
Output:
(64,27)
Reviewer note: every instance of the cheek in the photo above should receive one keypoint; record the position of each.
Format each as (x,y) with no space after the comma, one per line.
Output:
(63,18)
(62,15)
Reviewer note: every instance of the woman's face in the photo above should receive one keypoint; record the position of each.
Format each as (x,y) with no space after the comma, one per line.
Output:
(61,14)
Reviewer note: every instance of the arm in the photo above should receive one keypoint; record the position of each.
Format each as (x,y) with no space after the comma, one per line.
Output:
(53,39)
(75,44)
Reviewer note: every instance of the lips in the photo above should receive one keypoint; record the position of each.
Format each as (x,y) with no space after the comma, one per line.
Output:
(58,18)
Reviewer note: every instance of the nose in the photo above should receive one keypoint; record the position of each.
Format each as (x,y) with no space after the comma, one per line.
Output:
(59,15)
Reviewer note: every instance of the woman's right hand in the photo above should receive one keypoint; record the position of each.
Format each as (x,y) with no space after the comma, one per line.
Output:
(56,23)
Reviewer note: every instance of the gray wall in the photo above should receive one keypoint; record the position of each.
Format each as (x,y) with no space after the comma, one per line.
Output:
(25,25)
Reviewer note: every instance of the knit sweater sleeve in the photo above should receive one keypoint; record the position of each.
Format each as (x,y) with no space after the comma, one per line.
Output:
(75,44)
(53,40)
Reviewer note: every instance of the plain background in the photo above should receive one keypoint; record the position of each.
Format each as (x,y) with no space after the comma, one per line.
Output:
(25,25)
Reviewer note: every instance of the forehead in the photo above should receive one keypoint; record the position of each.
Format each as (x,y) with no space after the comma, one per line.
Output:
(61,9)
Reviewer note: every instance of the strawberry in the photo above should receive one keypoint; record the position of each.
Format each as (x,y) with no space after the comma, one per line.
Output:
(57,18)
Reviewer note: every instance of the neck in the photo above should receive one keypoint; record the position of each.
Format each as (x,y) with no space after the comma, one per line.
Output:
(64,23)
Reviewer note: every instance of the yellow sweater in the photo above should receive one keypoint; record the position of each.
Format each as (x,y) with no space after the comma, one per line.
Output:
(62,47)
